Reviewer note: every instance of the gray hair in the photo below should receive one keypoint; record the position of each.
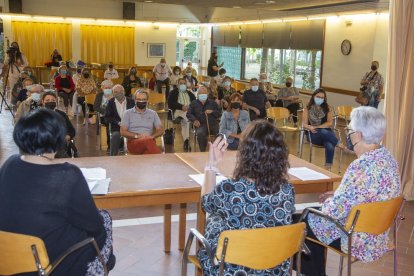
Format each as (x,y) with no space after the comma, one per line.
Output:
(370,122)
(141,91)
(118,87)
(41,88)
(107,83)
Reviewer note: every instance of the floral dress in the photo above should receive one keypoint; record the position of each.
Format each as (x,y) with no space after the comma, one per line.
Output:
(238,205)
(372,177)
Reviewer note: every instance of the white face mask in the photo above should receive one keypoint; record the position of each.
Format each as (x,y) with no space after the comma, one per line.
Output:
(162,64)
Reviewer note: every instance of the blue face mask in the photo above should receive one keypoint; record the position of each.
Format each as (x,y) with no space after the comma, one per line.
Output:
(36,97)
(255,88)
(63,72)
(107,91)
(182,87)
(318,101)
(227,83)
(202,97)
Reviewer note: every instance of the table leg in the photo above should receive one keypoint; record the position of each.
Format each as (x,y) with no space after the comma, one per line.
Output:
(201,218)
(167,228)
(181,226)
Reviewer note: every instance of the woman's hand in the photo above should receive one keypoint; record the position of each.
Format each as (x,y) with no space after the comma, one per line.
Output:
(323,197)
(216,152)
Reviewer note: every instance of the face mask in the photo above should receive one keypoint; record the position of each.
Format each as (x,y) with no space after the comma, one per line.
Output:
(235,105)
(288,84)
(263,80)
(182,87)
(36,97)
(227,83)
(176,72)
(107,91)
(373,67)
(162,64)
(202,97)
(50,105)
(188,74)
(255,88)
(318,101)
(78,71)
(141,105)
(111,66)
(349,144)
(120,97)
(222,76)
(86,75)
(29,73)
(63,72)
(133,72)
(207,83)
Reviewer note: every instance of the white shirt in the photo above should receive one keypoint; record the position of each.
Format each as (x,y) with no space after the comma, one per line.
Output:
(120,107)
(109,75)
(162,73)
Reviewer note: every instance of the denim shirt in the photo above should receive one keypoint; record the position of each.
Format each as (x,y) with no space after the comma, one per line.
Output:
(228,124)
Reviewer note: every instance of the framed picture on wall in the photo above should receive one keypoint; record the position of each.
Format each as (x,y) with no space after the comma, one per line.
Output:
(156,50)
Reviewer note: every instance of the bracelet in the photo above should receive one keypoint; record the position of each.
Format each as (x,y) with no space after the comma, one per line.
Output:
(211,168)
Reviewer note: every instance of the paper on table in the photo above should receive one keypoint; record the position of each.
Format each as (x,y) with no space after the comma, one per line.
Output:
(101,187)
(96,179)
(304,173)
(199,178)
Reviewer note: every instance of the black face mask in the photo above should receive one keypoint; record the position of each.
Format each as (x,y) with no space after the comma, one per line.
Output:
(288,84)
(111,66)
(50,105)
(133,72)
(235,105)
(141,105)
(86,75)
(349,144)
(78,71)
(373,67)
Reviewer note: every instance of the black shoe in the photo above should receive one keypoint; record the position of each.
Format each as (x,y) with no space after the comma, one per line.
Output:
(111,262)
(186,145)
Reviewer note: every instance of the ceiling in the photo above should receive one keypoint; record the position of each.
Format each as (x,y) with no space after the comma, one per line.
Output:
(275,5)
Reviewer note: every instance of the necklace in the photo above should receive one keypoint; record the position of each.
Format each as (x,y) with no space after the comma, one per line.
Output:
(46,157)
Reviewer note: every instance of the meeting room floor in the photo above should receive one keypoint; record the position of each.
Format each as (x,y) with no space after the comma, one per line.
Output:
(138,242)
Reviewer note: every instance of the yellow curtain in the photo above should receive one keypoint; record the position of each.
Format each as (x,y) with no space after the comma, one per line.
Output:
(37,40)
(103,44)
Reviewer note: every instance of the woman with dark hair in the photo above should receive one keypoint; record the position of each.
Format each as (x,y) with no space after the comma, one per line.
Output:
(131,81)
(65,87)
(52,201)
(257,196)
(55,58)
(175,76)
(317,118)
(234,121)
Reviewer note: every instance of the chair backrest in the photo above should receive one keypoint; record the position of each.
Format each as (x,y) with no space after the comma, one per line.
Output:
(90,98)
(261,248)
(277,113)
(16,254)
(374,217)
(344,111)
(155,98)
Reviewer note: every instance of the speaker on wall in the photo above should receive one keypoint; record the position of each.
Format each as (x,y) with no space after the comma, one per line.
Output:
(15,6)
(128,10)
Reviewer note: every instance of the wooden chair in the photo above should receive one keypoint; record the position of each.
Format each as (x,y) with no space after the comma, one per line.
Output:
(261,248)
(23,253)
(89,99)
(343,112)
(280,114)
(373,218)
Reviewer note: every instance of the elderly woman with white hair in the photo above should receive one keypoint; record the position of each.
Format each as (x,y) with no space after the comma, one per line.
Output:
(32,102)
(101,101)
(373,176)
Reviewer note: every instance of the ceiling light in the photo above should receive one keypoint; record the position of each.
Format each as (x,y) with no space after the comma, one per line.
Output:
(148,1)
(236,7)
(270,2)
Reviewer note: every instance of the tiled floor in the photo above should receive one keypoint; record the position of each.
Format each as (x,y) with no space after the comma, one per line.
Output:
(139,245)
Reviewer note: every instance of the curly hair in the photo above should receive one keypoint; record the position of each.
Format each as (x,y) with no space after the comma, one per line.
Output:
(263,157)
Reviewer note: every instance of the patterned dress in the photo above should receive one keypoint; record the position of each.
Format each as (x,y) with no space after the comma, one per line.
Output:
(372,177)
(238,205)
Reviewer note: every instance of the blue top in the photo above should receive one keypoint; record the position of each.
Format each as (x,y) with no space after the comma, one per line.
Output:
(228,124)
(141,122)
(238,205)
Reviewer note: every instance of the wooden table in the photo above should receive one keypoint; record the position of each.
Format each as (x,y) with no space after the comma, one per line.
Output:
(145,180)
(198,160)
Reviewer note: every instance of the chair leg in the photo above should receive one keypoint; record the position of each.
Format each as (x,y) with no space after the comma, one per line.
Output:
(341,265)
(310,153)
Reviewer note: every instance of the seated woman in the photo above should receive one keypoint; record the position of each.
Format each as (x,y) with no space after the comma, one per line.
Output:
(23,93)
(111,73)
(225,91)
(55,58)
(32,102)
(86,85)
(234,121)
(49,101)
(131,80)
(52,201)
(101,102)
(192,82)
(175,76)
(65,88)
(258,195)
(373,176)
(317,118)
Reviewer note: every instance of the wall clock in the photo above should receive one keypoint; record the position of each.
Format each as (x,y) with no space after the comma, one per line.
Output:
(346,47)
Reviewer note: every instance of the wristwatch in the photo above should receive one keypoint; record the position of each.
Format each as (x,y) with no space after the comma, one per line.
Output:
(136,136)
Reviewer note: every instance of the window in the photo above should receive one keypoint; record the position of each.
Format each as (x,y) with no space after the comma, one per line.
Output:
(232,59)
(303,66)
(188,46)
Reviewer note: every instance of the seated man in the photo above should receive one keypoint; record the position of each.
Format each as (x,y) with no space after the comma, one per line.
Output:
(289,96)
(115,109)
(138,124)
(203,113)
(255,101)
(22,94)
(32,102)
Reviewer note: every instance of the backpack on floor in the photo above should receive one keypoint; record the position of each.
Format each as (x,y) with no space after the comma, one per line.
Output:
(169,136)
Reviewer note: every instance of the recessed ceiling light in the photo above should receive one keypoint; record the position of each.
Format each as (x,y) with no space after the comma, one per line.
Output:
(148,1)
(270,2)
(236,7)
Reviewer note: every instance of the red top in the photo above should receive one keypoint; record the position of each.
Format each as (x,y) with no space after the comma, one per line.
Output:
(60,83)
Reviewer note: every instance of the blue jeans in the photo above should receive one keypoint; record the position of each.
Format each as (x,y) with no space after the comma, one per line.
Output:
(325,137)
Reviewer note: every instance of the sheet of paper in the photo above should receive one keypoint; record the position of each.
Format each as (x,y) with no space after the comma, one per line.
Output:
(199,178)
(94,173)
(302,206)
(304,173)
(101,187)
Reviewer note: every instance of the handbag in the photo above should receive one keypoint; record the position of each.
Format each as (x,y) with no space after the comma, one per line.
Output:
(362,98)
(169,136)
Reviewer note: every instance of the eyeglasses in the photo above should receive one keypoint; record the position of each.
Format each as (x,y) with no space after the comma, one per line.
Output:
(349,131)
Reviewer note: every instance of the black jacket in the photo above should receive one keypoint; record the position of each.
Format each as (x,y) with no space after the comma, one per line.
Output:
(111,115)
(70,130)
(197,110)
(173,100)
